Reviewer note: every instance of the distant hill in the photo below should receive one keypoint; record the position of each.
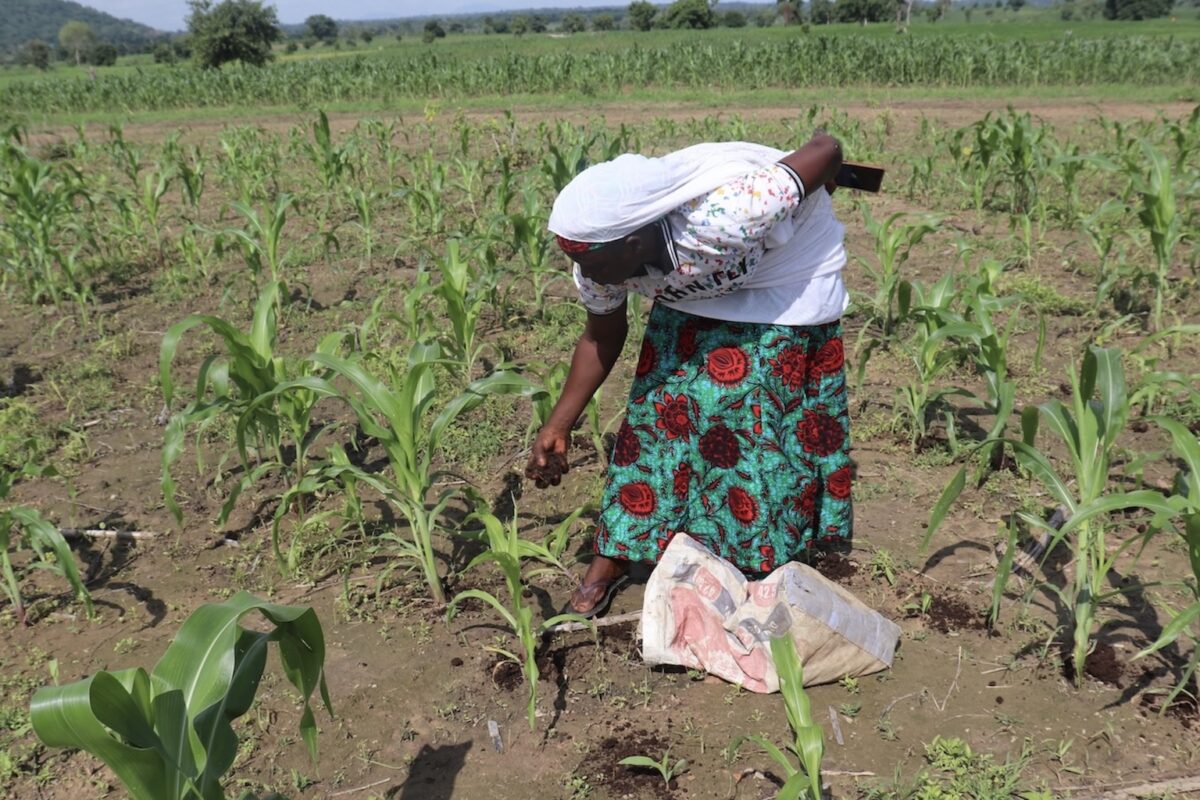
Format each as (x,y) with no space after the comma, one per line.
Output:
(40,19)
(471,17)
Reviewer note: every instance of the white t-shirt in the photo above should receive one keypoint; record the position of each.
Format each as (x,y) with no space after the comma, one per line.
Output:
(752,250)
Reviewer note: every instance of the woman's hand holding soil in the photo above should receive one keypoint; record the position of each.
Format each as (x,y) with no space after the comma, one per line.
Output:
(548,462)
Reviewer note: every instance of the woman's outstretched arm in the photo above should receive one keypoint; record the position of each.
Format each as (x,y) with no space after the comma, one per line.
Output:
(595,354)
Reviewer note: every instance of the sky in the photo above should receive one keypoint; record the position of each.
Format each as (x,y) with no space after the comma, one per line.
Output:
(168,15)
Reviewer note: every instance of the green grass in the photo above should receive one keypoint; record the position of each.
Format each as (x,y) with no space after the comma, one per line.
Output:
(478,70)
(24,438)
(1030,24)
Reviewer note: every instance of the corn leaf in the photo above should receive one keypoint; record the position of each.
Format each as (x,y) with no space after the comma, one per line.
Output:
(942,506)
(167,735)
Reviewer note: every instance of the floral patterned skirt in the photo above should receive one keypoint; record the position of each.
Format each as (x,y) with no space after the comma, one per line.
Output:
(735,433)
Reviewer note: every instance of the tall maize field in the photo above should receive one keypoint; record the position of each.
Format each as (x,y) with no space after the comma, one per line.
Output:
(798,62)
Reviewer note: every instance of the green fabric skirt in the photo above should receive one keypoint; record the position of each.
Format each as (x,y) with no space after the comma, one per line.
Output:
(736,434)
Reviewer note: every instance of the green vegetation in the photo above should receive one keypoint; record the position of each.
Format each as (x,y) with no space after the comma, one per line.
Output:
(1186,514)
(168,734)
(343,298)
(232,30)
(664,766)
(955,771)
(728,61)
(807,745)
(25,20)
(508,552)
(23,528)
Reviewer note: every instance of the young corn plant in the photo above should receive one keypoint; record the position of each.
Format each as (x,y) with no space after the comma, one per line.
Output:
(334,474)
(167,734)
(1101,227)
(333,162)
(364,203)
(988,347)
(664,766)
(198,250)
(384,137)
(566,154)
(191,171)
(260,239)
(972,165)
(1005,148)
(1164,382)
(982,340)
(41,232)
(930,310)
(250,163)
(1161,220)
(500,537)
(530,240)
(1067,165)
(1022,159)
(127,157)
(919,399)
(22,526)
(464,304)
(398,419)
(807,745)
(425,195)
(242,383)
(1186,504)
(1088,430)
(894,238)
(506,550)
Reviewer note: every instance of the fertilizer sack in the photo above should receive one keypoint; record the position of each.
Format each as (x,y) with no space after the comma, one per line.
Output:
(700,612)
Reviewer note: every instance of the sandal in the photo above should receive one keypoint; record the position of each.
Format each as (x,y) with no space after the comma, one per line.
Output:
(603,602)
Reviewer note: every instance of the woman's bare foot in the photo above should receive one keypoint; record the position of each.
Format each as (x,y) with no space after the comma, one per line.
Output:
(602,573)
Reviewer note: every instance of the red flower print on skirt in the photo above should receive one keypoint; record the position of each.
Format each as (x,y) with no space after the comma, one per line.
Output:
(683,479)
(673,417)
(727,365)
(719,447)
(685,345)
(638,499)
(723,437)
(838,483)
(819,433)
(628,447)
(789,367)
(741,505)
(646,360)
(806,501)
(829,358)
(768,558)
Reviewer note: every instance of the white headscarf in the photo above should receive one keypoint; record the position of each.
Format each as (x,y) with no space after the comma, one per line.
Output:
(616,198)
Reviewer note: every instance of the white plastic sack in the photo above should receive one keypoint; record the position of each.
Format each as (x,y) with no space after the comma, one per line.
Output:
(701,612)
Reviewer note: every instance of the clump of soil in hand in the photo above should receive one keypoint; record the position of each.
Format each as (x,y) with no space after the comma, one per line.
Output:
(602,766)
(948,613)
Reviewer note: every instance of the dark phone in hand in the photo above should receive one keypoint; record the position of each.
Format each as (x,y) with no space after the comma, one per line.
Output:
(859,176)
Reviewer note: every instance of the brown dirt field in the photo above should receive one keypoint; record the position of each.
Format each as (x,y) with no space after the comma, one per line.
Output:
(907,113)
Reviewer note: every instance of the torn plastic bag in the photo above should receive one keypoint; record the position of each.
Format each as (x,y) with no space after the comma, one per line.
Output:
(701,612)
